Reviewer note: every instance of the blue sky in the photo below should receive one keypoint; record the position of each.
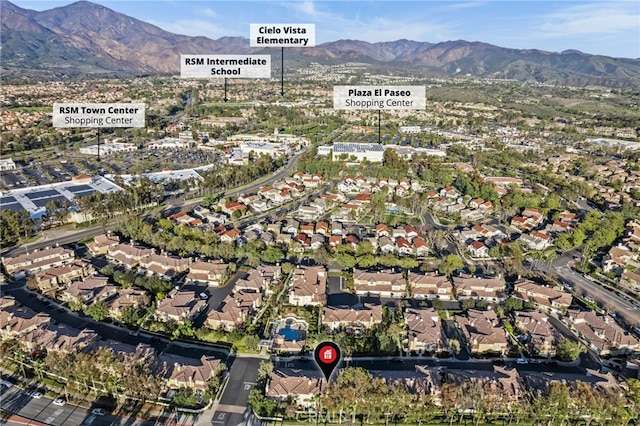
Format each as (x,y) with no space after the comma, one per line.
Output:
(609,28)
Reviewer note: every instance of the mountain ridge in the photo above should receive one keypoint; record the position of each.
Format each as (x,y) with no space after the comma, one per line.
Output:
(87,39)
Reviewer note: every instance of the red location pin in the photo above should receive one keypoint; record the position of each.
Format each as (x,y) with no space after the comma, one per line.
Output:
(328,356)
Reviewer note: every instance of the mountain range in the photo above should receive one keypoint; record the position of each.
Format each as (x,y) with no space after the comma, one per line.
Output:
(85,39)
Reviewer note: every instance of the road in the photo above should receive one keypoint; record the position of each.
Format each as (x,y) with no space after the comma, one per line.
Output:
(609,299)
(42,410)
(603,297)
(245,189)
(232,408)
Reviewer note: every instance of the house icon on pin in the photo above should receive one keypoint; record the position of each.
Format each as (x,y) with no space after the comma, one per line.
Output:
(328,354)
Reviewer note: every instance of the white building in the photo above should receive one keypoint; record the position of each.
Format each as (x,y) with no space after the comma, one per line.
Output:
(262,147)
(372,152)
(108,149)
(7,164)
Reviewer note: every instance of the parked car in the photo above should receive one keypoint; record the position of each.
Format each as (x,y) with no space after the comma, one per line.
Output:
(98,411)
(59,401)
(35,394)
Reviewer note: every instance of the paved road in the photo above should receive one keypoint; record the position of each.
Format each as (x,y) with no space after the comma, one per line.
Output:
(16,401)
(232,408)
(603,295)
(409,364)
(608,299)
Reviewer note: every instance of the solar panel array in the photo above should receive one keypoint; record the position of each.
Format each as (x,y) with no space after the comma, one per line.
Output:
(42,194)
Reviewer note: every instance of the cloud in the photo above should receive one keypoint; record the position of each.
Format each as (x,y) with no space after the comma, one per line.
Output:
(309,10)
(615,17)
(464,5)
(366,26)
(207,11)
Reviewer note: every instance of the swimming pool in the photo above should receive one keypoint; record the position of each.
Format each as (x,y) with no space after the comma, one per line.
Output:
(291,334)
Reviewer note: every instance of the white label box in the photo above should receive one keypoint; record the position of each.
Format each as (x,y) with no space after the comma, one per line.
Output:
(282,35)
(98,115)
(225,66)
(379,97)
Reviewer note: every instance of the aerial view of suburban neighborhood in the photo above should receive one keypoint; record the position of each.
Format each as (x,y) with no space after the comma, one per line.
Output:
(259,212)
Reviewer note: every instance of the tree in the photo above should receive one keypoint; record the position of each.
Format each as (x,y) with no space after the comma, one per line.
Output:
(272,254)
(97,310)
(264,369)
(321,256)
(513,304)
(346,260)
(568,350)
(130,315)
(287,268)
(367,261)
(451,263)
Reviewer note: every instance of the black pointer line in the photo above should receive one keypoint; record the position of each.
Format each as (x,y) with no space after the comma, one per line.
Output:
(282,72)
(225,90)
(379,127)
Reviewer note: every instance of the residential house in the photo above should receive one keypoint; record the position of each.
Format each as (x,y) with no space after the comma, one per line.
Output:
(89,290)
(538,334)
(471,287)
(179,306)
(501,384)
(102,243)
(51,280)
(299,386)
(404,247)
(421,248)
(164,266)
(430,286)
(603,333)
(618,258)
(292,227)
(17,321)
(61,338)
(38,260)
(259,279)
(308,286)
(358,316)
(132,297)
(630,280)
(554,299)
(231,208)
(424,331)
(478,249)
(483,332)
(190,373)
(380,283)
(382,230)
(230,235)
(212,273)
(536,240)
(317,241)
(128,255)
(234,311)
(386,245)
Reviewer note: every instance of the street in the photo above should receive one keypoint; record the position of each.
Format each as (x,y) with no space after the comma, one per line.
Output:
(232,407)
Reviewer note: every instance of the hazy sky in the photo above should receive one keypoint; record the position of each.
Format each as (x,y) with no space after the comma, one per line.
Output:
(609,28)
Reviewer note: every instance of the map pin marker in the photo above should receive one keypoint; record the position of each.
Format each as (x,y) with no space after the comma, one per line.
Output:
(327,355)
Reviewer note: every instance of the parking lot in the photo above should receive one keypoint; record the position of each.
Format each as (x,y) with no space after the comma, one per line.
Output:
(51,167)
